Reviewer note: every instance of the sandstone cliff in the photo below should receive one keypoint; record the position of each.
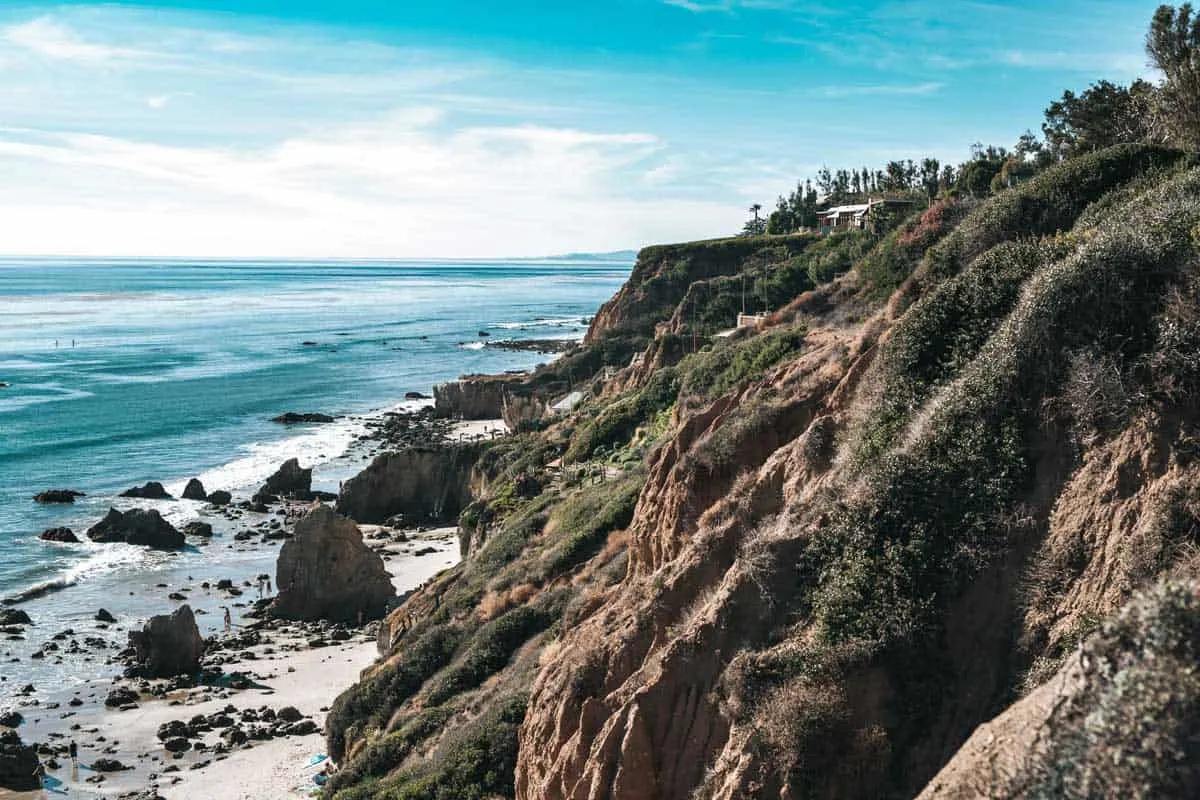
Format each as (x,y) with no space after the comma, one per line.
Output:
(811,559)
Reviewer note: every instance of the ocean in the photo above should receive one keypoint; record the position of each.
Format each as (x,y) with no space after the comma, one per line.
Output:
(123,371)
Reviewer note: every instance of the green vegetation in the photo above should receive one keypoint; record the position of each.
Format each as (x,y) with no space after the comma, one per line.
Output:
(733,363)
(1133,730)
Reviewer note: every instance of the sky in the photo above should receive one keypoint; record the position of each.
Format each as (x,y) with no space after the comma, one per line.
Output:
(465,128)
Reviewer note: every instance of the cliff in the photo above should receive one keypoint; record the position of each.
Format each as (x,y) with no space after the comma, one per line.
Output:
(811,559)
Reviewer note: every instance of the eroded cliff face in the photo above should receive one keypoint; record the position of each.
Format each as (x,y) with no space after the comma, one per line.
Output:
(916,520)
(809,560)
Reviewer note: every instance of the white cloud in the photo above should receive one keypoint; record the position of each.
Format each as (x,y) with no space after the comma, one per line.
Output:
(396,187)
(51,39)
(866,90)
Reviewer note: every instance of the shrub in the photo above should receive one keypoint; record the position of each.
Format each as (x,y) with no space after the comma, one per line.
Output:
(891,261)
(736,362)
(368,703)
(1133,729)
(488,651)
(1046,204)
(586,518)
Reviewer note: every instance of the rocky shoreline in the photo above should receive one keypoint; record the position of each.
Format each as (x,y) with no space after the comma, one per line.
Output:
(262,682)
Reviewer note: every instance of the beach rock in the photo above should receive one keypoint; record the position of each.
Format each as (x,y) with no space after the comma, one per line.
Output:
(302,728)
(201,529)
(292,418)
(194,490)
(14,616)
(177,745)
(168,645)
(234,736)
(18,763)
(220,498)
(10,719)
(416,396)
(153,490)
(120,696)
(137,526)
(108,765)
(289,714)
(103,615)
(326,572)
(420,482)
(290,480)
(57,496)
(65,535)
(225,584)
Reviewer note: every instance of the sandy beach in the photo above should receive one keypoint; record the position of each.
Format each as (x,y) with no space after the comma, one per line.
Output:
(286,671)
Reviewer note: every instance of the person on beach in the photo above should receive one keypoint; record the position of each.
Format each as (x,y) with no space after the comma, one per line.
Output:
(228,619)
(269,587)
(73,750)
(260,587)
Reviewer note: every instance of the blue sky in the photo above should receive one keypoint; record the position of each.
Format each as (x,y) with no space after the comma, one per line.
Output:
(297,128)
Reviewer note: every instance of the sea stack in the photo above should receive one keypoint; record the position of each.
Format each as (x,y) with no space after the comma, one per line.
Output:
(326,572)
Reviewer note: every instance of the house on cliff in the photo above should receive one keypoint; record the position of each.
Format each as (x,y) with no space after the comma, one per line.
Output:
(862,216)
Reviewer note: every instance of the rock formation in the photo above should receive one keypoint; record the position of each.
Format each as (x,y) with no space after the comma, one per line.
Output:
(220,498)
(65,535)
(14,616)
(292,418)
(153,490)
(418,482)
(196,528)
(57,496)
(137,526)
(168,645)
(290,480)
(326,572)
(18,762)
(194,490)
(474,396)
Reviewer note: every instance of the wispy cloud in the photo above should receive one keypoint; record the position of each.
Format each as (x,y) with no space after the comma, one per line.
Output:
(51,39)
(1078,61)
(880,90)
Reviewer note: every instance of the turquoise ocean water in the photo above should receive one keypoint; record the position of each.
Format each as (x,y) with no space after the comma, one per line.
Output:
(120,372)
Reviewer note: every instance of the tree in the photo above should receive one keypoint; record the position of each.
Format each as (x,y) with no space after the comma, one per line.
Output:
(929,177)
(1173,44)
(1104,115)
(756,226)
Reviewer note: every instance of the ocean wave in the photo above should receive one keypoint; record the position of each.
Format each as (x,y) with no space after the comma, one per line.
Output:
(318,445)
(24,401)
(557,322)
(473,345)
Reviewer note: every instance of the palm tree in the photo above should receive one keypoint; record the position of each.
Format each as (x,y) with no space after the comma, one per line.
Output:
(754,209)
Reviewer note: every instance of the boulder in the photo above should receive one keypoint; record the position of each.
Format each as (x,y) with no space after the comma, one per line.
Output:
(137,526)
(65,535)
(201,529)
(120,696)
(292,418)
(194,490)
(57,496)
(416,396)
(104,615)
(326,572)
(153,490)
(168,645)
(14,616)
(18,763)
(290,480)
(220,498)
(11,719)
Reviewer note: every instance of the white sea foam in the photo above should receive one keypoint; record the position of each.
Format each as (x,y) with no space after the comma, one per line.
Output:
(473,345)
(316,445)
(560,322)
